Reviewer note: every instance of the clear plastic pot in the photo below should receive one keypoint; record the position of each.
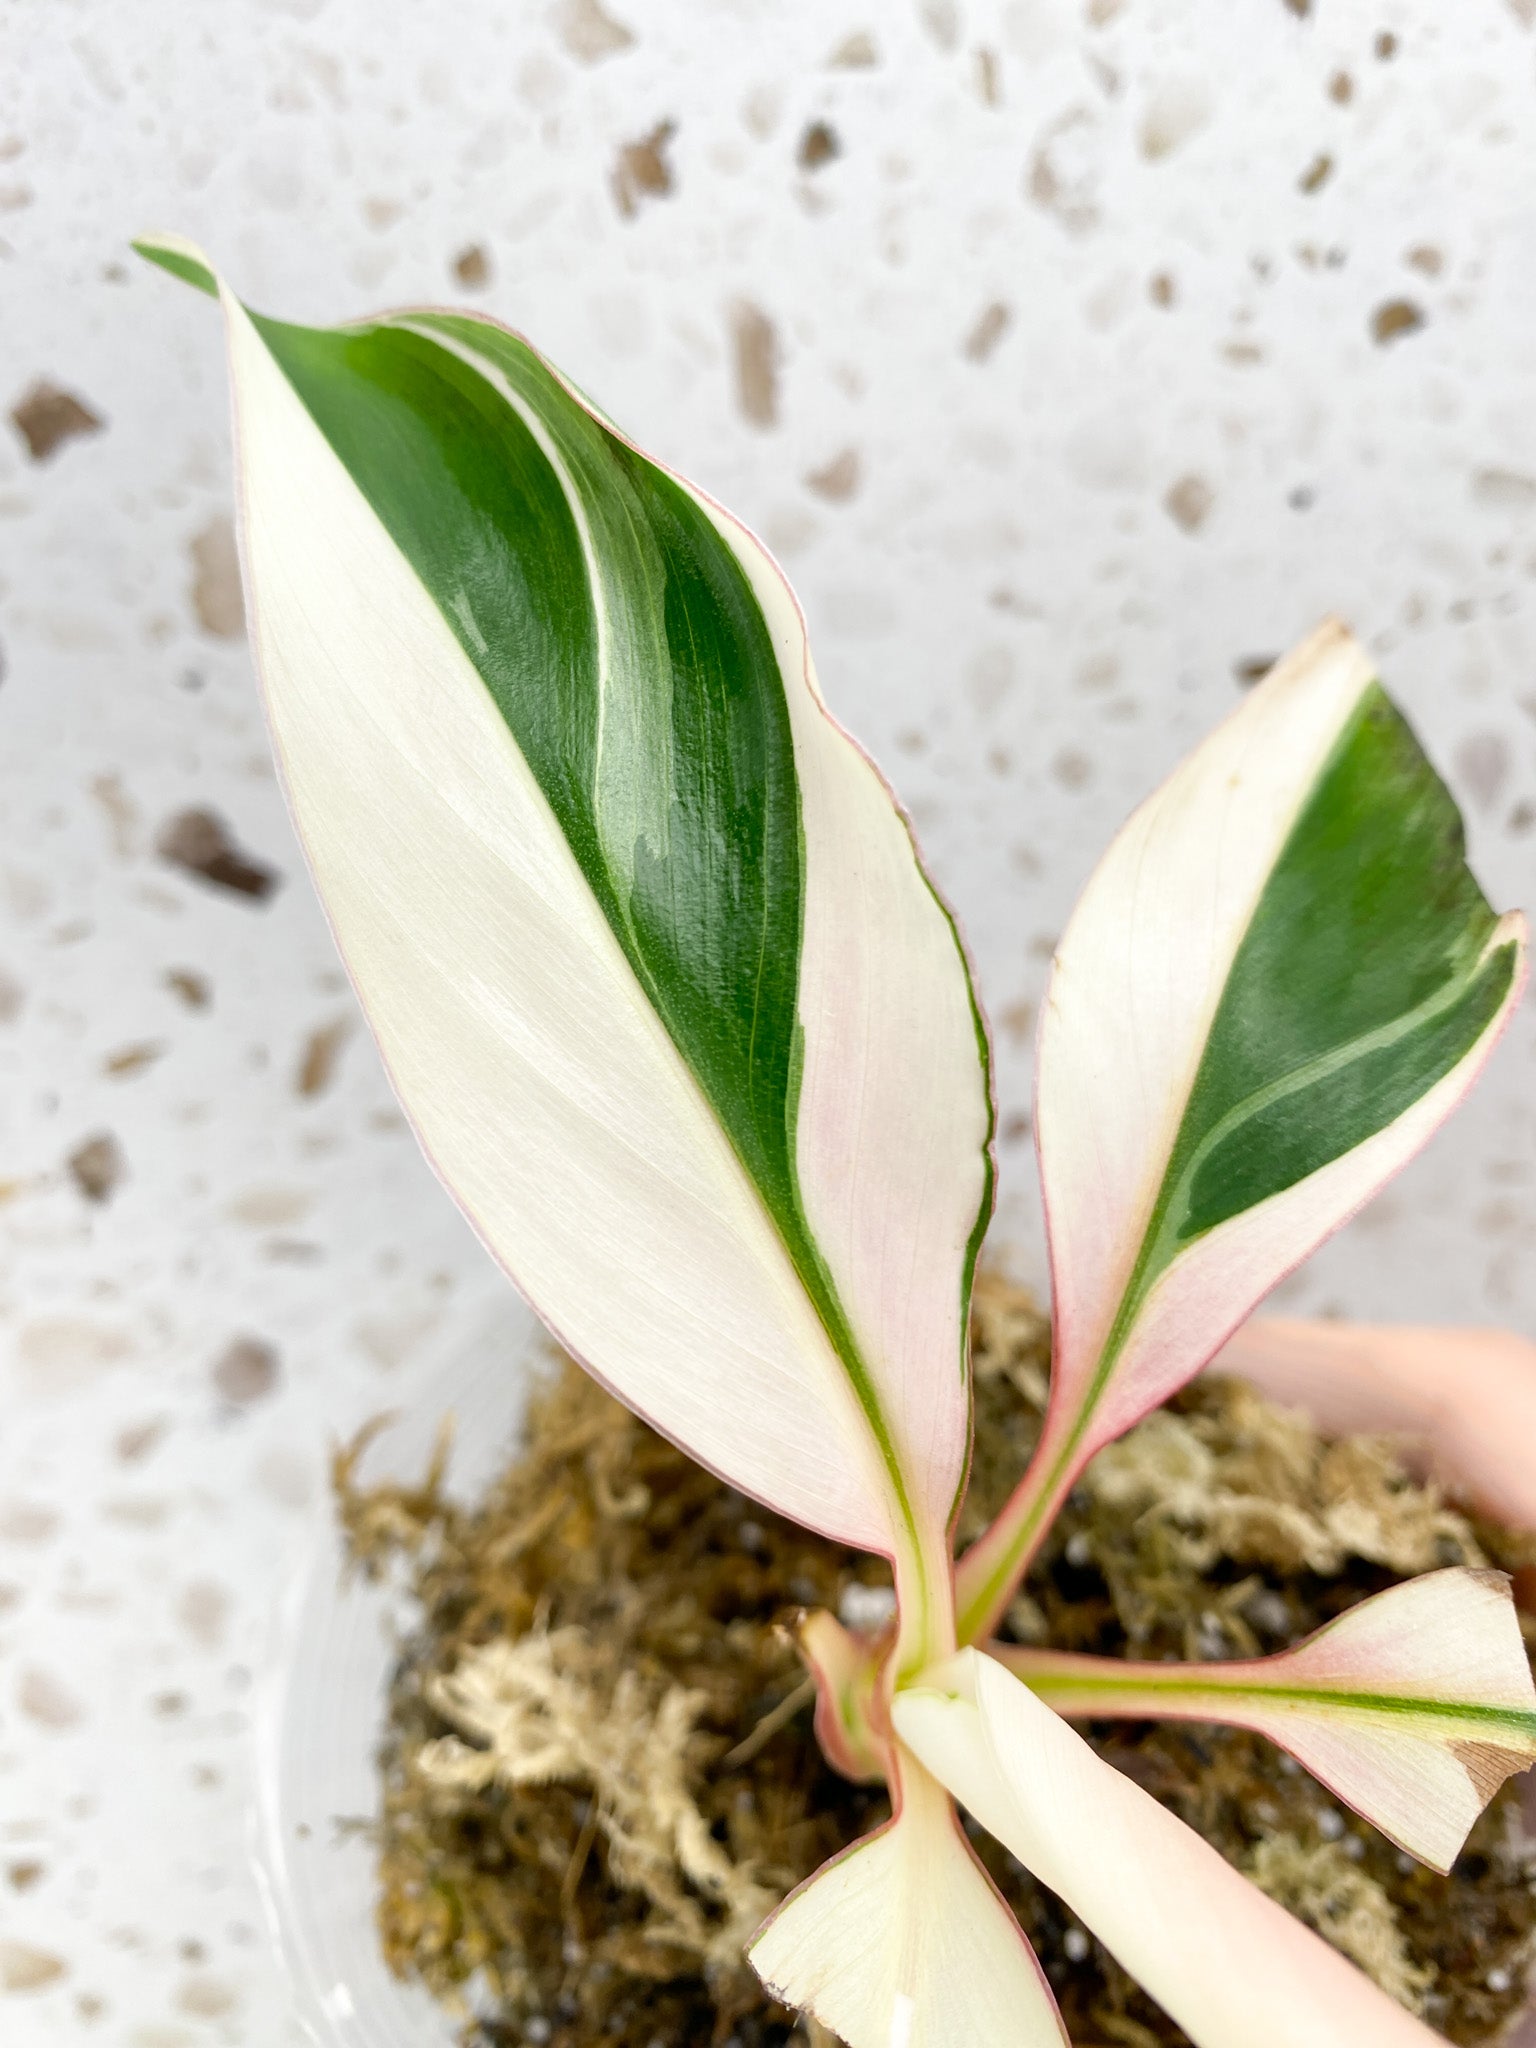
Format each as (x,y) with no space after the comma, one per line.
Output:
(321,1709)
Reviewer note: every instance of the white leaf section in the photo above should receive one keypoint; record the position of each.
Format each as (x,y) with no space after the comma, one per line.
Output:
(541,1083)
(1464,1400)
(1229,1965)
(1142,967)
(902,1942)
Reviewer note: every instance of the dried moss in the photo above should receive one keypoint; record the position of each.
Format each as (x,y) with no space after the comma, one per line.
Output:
(599,1770)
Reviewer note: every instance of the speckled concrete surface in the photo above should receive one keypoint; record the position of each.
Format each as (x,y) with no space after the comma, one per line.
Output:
(1073,357)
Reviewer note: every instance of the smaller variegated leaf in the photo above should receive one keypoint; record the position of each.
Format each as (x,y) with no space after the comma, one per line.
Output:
(1231,1967)
(1280,980)
(902,1942)
(1413,1707)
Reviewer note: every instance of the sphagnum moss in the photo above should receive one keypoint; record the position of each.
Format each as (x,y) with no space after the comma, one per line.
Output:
(599,1769)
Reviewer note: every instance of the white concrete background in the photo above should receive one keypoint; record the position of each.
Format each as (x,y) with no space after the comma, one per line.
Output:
(1005,609)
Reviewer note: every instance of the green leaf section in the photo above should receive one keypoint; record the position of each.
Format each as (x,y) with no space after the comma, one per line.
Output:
(638,666)
(1364,977)
(179,264)
(623,645)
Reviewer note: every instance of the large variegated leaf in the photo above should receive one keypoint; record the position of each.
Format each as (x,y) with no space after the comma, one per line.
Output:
(1463,1402)
(646,944)
(1414,1707)
(1279,981)
(1229,1965)
(902,1942)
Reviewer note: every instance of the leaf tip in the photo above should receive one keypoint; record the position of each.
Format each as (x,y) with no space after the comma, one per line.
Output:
(181,258)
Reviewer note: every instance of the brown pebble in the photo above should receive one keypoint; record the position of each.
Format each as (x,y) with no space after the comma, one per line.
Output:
(246,1370)
(1341,88)
(991,325)
(1386,46)
(1317,174)
(27,1521)
(1504,490)
(317,1062)
(818,146)
(1253,668)
(217,599)
(21,1877)
(121,811)
(194,989)
(206,1998)
(97,1166)
(24,1968)
(1161,289)
(756,346)
(838,479)
(642,170)
(132,1059)
(1018,1020)
(855,53)
(1188,502)
(47,417)
(589,32)
(1483,766)
(198,842)
(47,1700)
(135,1442)
(472,266)
(1394,318)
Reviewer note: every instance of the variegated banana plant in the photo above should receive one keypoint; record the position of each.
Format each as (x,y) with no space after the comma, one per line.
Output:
(684,1026)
